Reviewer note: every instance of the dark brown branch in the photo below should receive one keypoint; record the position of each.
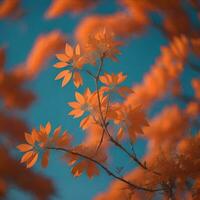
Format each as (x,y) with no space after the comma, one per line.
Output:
(90,73)
(109,172)
(104,124)
(185,98)
(103,133)
(194,67)
(101,141)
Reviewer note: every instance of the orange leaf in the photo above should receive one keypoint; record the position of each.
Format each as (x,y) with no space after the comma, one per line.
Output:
(104,79)
(63,57)
(56,134)
(84,123)
(61,74)
(120,134)
(34,134)
(79,97)
(68,50)
(76,113)
(77,50)
(124,91)
(42,128)
(78,169)
(45,159)
(26,156)
(77,79)
(24,147)
(92,170)
(66,79)
(48,128)
(29,138)
(60,64)
(32,161)
(64,140)
(74,105)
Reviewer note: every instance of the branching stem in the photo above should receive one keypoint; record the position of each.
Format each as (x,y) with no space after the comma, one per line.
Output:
(104,123)
(108,171)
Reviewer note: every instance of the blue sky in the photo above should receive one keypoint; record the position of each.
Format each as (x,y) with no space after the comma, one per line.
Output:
(137,57)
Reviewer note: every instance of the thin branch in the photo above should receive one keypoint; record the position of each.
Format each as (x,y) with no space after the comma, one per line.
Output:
(194,67)
(160,28)
(99,101)
(104,125)
(91,74)
(103,133)
(186,98)
(108,171)
(101,141)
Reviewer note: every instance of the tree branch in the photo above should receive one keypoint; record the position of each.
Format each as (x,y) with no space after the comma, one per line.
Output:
(104,124)
(109,172)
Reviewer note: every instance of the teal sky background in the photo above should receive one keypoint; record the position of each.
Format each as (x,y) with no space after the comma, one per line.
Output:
(138,55)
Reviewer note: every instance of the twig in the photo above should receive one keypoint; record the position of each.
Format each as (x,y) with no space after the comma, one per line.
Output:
(103,133)
(101,141)
(109,172)
(90,73)
(194,67)
(185,98)
(104,125)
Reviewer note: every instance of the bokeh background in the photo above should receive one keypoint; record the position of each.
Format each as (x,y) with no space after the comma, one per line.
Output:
(18,36)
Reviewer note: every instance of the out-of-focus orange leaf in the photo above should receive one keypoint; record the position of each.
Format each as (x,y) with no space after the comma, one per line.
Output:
(45,158)
(2,58)
(167,127)
(131,121)
(90,168)
(193,109)
(14,174)
(45,46)
(196,86)
(167,69)
(24,147)
(12,126)
(8,8)
(132,25)
(60,7)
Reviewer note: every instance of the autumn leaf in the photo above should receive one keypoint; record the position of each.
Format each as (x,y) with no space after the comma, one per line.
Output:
(66,75)
(82,103)
(45,158)
(90,168)
(131,121)
(73,58)
(24,147)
